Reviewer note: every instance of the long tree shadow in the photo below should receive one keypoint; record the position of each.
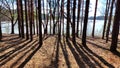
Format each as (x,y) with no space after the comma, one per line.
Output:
(97,56)
(76,55)
(116,53)
(89,51)
(35,48)
(94,44)
(55,55)
(86,58)
(24,54)
(65,53)
(21,51)
(13,44)
(11,54)
(90,56)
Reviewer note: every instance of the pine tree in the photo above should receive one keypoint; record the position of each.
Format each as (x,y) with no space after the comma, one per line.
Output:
(85,23)
(115,30)
(40,22)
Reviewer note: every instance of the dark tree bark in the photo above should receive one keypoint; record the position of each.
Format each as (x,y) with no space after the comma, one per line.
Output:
(0,31)
(30,19)
(22,19)
(115,30)
(73,24)
(50,19)
(26,20)
(68,20)
(19,18)
(78,17)
(85,23)
(93,31)
(106,17)
(59,23)
(62,16)
(12,26)
(47,19)
(40,23)
(32,15)
(0,27)
(109,22)
(53,15)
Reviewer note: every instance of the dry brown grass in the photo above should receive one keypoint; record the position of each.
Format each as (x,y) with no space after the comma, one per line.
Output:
(16,52)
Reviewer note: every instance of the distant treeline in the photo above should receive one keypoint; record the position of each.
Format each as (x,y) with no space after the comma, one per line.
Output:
(98,18)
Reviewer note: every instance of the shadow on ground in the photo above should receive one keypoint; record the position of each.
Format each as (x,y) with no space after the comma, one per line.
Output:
(83,56)
(18,52)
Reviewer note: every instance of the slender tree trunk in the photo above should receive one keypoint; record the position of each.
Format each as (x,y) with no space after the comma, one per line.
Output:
(54,22)
(85,23)
(45,22)
(37,21)
(30,20)
(109,22)
(40,23)
(36,5)
(0,31)
(18,15)
(62,16)
(54,27)
(33,20)
(78,17)
(50,18)
(68,20)
(93,31)
(32,16)
(26,20)
(12,26)
(59,23)
(115,30)
(50,23)
(22,19)
(73,24)
(106,17)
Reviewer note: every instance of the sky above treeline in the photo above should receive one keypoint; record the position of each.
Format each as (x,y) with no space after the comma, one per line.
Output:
(100,10)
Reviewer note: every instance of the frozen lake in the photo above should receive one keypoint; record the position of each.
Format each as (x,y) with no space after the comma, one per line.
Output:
(6,27)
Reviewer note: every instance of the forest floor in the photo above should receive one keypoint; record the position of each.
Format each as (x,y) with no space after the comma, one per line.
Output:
(18,53)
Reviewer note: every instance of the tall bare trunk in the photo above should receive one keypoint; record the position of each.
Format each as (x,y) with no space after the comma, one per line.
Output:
(0,31)
(109,22)
(106,17)
(30,20)
(68,20)
(36,5)
(18,15)
(78,17)
(22,19)
(85,23)
(40,23)
(73,24)
(115,30)
(93,31)
(26,19)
